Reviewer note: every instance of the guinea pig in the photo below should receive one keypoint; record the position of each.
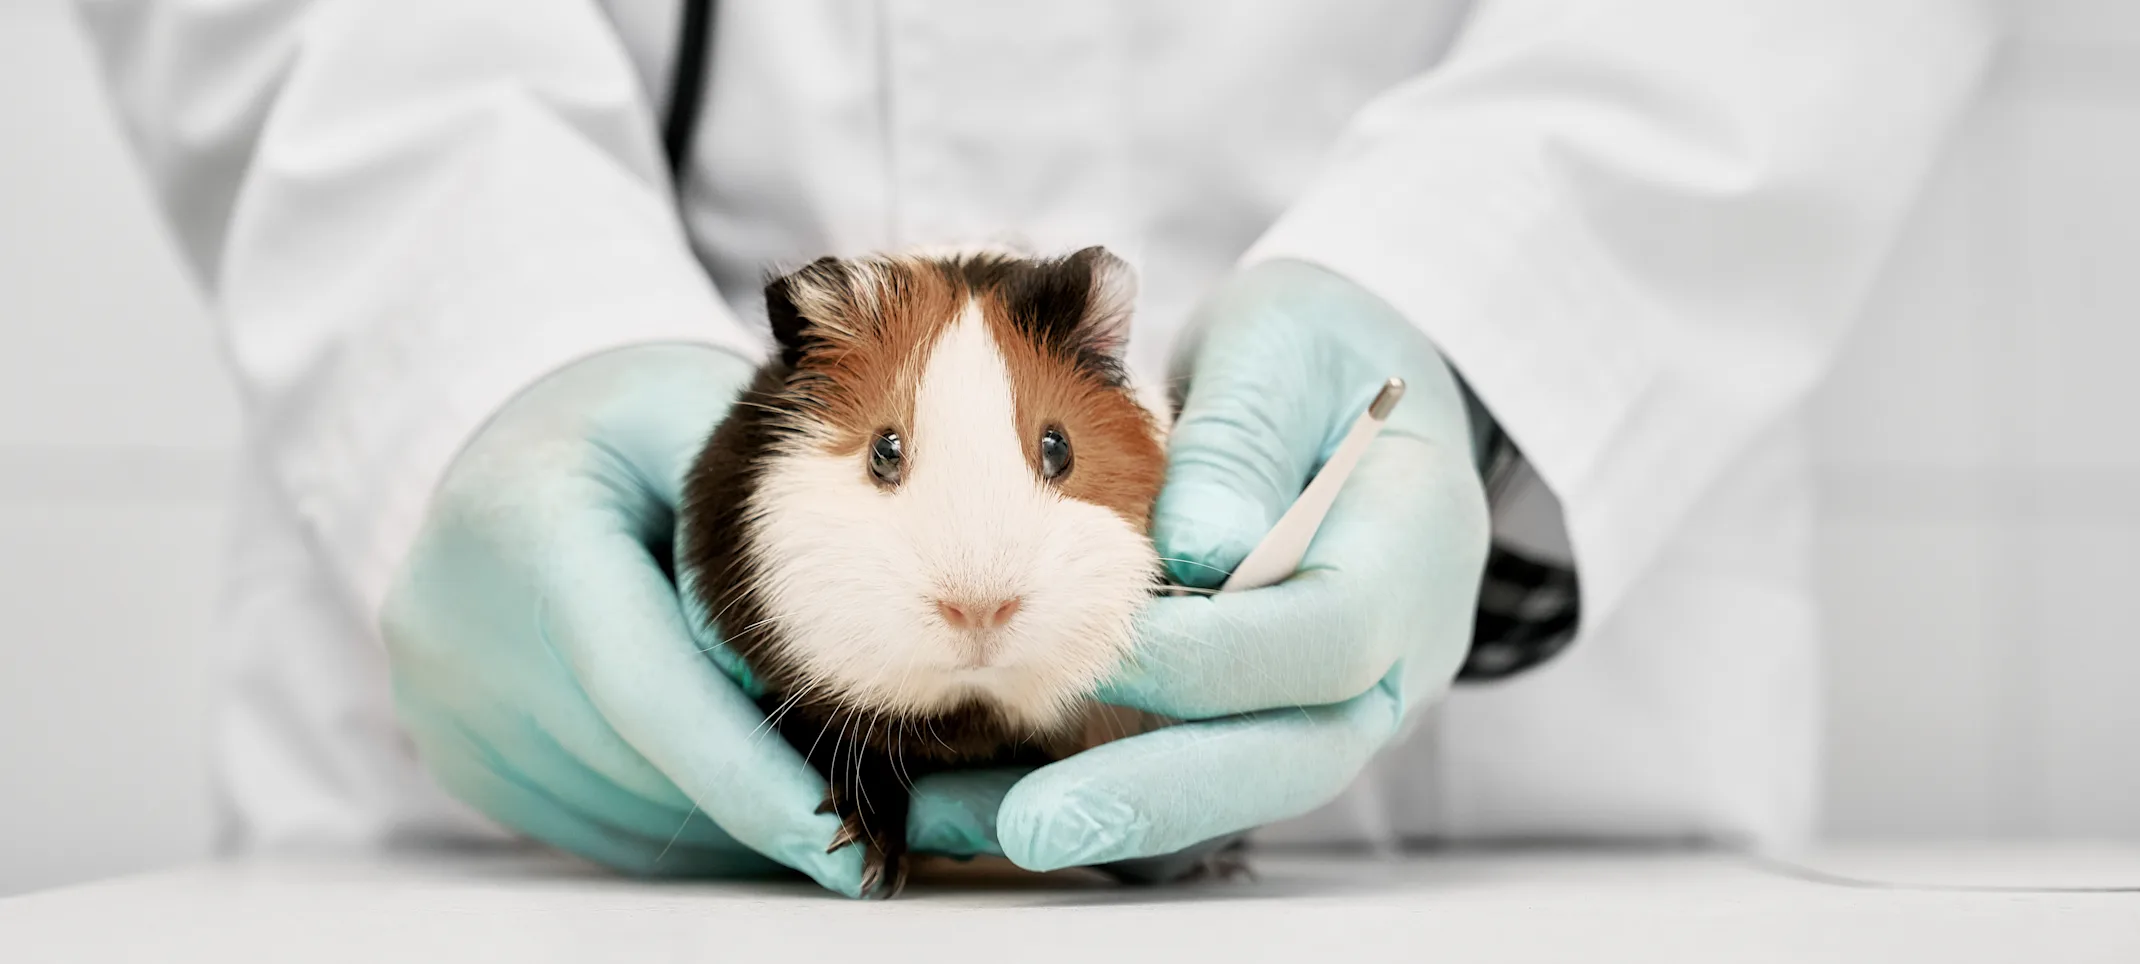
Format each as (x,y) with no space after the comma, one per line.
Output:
(924,526)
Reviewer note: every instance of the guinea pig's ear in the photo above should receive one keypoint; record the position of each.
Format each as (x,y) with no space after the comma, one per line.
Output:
(797,304)
(1105,327)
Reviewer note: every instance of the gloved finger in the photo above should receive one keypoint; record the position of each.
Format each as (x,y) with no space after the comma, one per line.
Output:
(1249,436)
(1305,642)
(472,773)
(647,452)
(520,747)
(617,622)
(954,813)
(519,700)
(654,449)
(1163,791)
(1411,519)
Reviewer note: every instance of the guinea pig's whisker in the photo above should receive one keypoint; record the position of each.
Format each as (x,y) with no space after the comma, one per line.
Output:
(772,720)
(1199,565)
(938,737)
(1115,727)
(715,619)
(766,725)
(811,754)
(729,637)
(852,737)
(754,627)
(855,762)
(899,757)
(792,702)
(679,832)
(763,407)
(1192,590)
(907,674)
(740,633)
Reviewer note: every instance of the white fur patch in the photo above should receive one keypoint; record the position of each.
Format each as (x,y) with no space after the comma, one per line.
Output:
(852,572)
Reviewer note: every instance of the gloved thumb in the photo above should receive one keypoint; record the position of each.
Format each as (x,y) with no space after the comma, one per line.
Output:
(653,433)
(1220,499)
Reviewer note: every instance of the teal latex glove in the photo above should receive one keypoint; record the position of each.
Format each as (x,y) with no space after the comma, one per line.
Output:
(542,662)
(1298,684)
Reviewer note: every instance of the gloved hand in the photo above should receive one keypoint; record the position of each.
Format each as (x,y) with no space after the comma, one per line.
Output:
(1298,684)
(540,657)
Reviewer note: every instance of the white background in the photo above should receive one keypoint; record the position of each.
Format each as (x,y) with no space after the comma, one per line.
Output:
(1980,477)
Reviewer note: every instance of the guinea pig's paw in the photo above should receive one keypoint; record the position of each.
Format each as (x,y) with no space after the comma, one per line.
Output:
(1226,865)
(884,875)
(884,853)
(1228,862)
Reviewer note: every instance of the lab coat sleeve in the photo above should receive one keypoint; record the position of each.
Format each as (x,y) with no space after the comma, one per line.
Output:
(406,211)
(1640,228)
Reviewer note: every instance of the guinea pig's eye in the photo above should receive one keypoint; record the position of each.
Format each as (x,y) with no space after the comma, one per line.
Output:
(1054,454)
(886,457)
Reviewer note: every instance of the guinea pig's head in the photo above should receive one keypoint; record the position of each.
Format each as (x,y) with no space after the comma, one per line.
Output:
(953,504)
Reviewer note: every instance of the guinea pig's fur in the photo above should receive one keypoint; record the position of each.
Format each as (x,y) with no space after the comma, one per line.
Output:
(959,607)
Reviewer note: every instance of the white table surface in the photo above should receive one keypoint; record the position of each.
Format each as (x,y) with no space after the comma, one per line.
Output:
(1444,907)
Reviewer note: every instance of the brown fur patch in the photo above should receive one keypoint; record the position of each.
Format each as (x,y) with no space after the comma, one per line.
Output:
(873,342)
(1116,460)
(874,322)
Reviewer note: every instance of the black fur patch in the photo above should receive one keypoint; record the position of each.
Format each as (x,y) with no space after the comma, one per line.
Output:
(1049,301)
(790,329)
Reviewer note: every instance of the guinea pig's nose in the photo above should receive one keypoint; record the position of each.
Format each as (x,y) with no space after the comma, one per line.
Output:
(979,614)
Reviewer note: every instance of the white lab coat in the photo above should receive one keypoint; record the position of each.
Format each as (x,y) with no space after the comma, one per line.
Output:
(1637,228)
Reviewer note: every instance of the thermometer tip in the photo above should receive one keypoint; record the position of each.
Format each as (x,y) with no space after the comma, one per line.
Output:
(1386,399)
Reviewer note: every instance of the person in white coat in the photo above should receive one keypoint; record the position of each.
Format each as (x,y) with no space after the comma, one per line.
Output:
(478,310)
